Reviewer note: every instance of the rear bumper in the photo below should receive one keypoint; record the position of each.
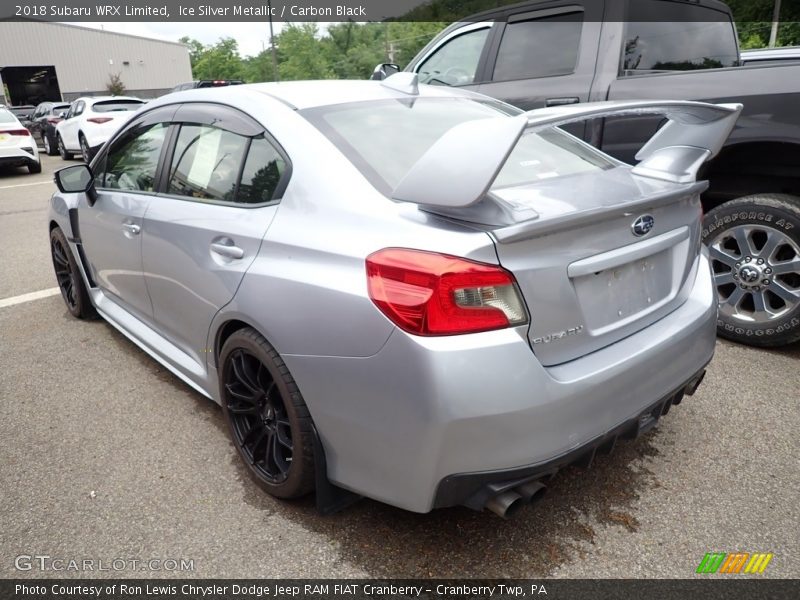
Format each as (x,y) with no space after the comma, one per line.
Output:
(474,489)
(428,422)
(19,155)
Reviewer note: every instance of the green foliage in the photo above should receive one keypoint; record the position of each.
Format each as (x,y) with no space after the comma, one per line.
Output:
(114,85)
(216,61)
(754,22)
(301,55)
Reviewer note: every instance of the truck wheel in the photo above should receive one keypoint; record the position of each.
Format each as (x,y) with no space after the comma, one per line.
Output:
(754,244)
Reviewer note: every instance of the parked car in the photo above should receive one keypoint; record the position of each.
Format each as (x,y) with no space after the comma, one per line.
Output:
(90,122)
(22,112)
(17,147)
(414,293)
(771,56)
(204,83)
(589,51)
(43,123)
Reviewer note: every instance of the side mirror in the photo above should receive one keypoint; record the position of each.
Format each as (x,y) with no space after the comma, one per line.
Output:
(62,115)
(75,180)
(384,70)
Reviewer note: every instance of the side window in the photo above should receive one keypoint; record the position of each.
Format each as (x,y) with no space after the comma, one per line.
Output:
(668,36)
(206,163)
(130,163)
(456,62)
(541,47)
(262,173)
(79,108)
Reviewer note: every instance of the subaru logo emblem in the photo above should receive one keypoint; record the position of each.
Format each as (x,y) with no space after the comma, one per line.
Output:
(643,225)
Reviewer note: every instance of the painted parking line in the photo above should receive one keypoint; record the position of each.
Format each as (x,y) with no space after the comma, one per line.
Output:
(29,297)
(8,187)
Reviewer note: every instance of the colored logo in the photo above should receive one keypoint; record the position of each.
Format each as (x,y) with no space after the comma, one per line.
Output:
(643,225)
(734,562)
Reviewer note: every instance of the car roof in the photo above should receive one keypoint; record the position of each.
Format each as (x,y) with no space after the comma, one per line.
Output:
(311,94)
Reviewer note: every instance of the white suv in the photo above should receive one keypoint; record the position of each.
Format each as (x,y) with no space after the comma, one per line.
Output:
(90,122)
(17,146)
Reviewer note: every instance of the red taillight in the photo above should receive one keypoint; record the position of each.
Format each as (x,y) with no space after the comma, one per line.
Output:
(99,120)
(17,132)
(426,293)
(53,120)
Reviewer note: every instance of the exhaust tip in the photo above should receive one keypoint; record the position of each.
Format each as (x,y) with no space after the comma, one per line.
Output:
(531,492)
(692,386)
(506,504)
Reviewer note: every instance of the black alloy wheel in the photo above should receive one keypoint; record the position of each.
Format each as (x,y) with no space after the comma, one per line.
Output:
(68,277)
(267,417)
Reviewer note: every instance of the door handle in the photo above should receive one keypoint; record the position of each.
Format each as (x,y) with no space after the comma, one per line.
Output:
(561,101)
(227,251)
(131,228)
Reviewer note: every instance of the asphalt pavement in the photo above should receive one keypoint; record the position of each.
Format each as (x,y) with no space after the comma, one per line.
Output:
(106,456)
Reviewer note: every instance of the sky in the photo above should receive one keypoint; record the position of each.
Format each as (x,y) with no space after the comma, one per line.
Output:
(250,35)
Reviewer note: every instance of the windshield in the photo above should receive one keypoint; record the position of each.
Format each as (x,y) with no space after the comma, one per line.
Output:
(116,105)
(384,139)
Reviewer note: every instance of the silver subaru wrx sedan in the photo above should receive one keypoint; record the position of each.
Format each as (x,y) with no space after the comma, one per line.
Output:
(416,294)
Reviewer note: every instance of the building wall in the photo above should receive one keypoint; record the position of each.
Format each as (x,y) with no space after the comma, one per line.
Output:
(84,58)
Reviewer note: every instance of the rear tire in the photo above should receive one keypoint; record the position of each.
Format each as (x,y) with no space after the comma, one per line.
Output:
(268,420)
(62,149)
(69,279)
(86,152)
(755,256)
(50,146)
(34,168)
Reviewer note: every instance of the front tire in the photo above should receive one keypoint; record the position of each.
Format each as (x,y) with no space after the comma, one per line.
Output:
(34,168)
(755,256)
(68,276)
(268,420)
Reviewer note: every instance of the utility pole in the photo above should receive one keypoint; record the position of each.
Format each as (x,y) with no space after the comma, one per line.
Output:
(272,43)
(776,17)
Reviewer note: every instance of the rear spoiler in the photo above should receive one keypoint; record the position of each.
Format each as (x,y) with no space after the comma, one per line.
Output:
(461,166)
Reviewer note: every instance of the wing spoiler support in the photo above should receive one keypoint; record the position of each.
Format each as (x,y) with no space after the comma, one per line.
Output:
(458,170)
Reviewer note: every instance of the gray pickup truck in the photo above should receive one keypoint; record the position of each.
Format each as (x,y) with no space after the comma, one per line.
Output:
(556,52)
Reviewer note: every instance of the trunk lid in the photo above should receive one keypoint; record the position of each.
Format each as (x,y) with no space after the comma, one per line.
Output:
(588,280)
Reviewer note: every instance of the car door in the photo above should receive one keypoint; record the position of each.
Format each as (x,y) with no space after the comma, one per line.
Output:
(36,122)
(71,124)
(545,57)
(125,179)
(201,234)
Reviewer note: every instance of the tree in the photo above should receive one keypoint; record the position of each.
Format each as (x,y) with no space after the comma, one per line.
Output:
(300,54)
(215,61)
(115,86)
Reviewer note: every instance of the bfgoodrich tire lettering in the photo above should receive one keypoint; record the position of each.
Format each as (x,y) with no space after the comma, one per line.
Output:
(755,254)
(268,420)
